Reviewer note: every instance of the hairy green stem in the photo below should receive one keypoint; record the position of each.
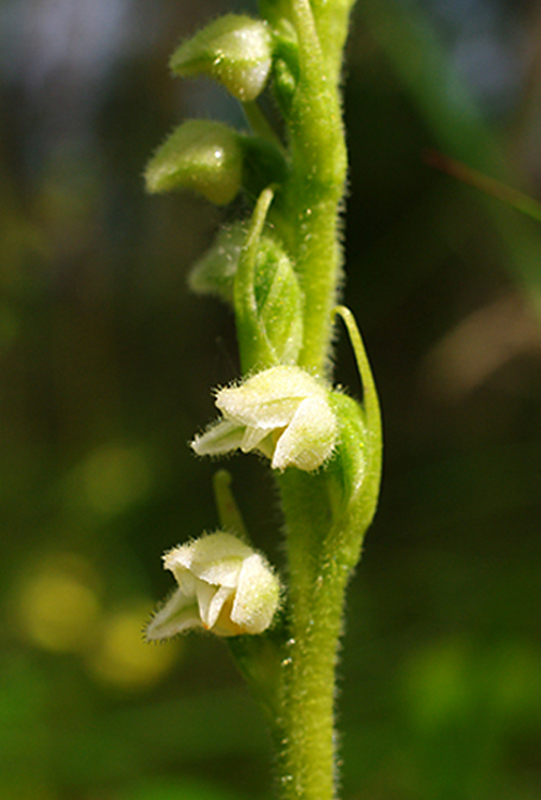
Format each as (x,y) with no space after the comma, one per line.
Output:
(317,577)
(322,555)
(316,187)
(332,24)
(307,697)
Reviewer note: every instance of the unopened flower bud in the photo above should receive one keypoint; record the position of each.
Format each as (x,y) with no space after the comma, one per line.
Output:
(278,296)
(279,300)
(235,50)
(223,586)
(200,155)
(214,272)
(282,412)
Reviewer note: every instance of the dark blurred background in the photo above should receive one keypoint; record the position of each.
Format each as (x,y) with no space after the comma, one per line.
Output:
(106,369)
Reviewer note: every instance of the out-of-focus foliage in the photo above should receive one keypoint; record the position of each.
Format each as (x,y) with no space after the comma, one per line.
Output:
(105,367)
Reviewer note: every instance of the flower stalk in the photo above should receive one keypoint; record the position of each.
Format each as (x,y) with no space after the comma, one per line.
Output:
(280,271)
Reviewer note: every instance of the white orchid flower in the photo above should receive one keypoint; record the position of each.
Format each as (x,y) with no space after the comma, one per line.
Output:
(282,412)
(224,586)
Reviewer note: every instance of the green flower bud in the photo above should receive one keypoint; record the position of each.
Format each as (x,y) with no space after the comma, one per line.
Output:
(278,296)
(200,155)
(285,84)
(214,273)
(279,300)
(234,50)
(286,71)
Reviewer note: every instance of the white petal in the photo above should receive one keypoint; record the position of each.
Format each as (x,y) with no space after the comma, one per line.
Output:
(266,446)
(180,613)
(284,381)
(216,558)
(214,610)
(212,603)
(257,597)
(186,581)
(270,398)
(309,439)
(252,410)
(252,438)
(222,437)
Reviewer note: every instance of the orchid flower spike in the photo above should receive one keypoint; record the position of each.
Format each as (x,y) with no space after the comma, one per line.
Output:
(282,412)
(224,586)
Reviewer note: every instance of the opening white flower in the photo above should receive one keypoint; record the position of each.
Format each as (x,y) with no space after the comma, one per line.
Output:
(223,586)
(282,413)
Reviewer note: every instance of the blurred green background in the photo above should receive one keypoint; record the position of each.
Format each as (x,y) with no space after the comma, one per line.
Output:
(106,367)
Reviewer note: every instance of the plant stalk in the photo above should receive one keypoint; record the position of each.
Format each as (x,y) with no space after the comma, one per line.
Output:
(317,579)
(316,187)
